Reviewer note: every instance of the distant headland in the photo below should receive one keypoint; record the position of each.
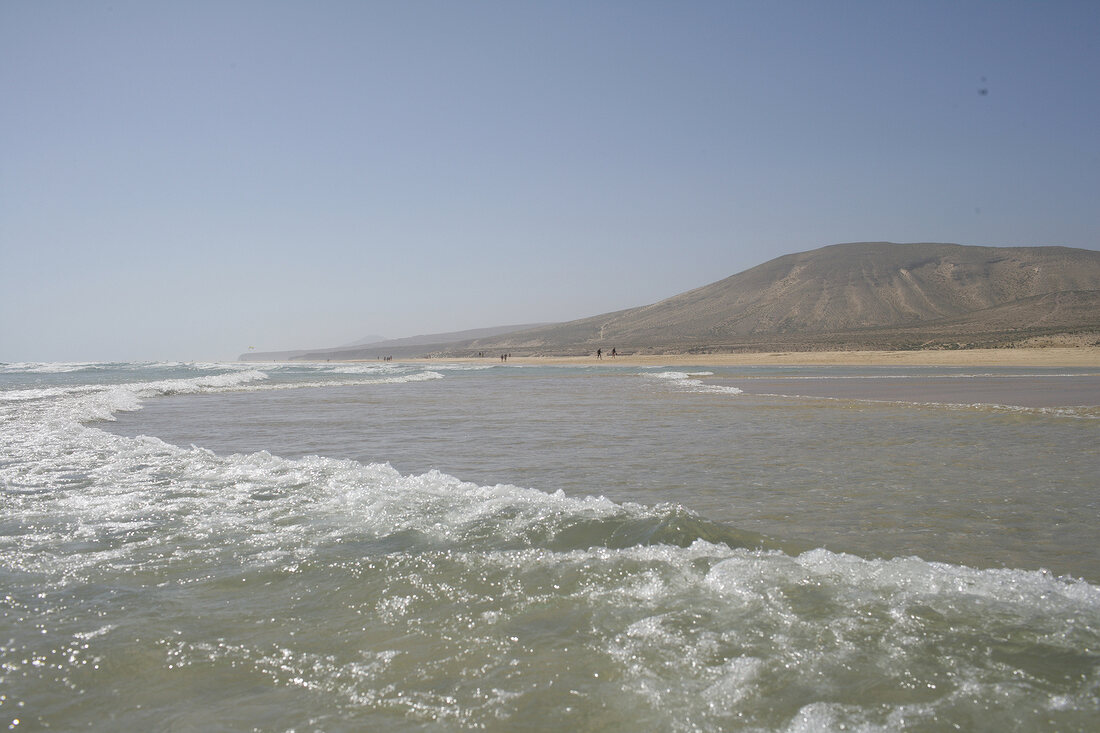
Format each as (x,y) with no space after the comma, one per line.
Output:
(866,296)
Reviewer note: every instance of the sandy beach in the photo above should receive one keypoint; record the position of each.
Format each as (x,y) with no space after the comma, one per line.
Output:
(1085,356)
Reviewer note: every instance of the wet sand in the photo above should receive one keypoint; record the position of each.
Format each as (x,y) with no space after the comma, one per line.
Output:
(1048,391)
(1088,356)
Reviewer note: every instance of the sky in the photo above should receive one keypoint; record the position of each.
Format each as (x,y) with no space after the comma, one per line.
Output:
(183,181)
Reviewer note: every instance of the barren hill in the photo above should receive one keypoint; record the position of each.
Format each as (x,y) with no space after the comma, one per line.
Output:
(860,295)
(402,347)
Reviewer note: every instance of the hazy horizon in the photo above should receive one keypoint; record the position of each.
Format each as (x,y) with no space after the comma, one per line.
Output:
(187,181)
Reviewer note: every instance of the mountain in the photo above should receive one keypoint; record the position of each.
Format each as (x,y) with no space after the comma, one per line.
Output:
(290,354)
(372,339)
(859,295)
(863,295)
(402,347)
(272,355)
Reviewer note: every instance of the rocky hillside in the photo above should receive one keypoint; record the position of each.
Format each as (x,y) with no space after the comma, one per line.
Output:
(861,295)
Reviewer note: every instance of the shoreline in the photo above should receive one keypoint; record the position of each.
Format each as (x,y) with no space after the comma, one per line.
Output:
(1086,356)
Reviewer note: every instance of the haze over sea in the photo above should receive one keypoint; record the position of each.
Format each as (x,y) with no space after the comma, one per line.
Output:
(433,546)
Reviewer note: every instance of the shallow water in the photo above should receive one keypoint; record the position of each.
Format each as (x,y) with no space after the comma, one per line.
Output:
(321,547)
(988,486)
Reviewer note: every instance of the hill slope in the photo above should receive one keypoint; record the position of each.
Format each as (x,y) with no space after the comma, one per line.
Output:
(850,296)
(402,347)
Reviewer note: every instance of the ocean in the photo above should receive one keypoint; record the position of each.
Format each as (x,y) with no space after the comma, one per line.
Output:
(454,546)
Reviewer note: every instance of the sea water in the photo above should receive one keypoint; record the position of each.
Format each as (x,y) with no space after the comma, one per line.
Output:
(484,546)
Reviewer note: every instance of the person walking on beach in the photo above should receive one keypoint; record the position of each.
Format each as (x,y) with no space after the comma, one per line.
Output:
(599,353)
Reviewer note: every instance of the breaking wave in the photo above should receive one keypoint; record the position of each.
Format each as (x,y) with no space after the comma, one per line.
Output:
(324,593)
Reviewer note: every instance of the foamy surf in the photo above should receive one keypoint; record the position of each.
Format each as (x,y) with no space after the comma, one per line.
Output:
(323,593)
(691,382)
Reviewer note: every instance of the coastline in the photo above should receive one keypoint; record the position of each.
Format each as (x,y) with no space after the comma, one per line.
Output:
(1085,356)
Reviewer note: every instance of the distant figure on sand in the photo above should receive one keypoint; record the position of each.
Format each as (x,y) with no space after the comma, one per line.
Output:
(599,353)
(613,352)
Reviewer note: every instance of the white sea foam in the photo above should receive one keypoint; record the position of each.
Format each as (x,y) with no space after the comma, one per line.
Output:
(689,382)
(425,376)
(348,594)
(241,381)
(36,367)
(214,366)
(358,369)
(22,395)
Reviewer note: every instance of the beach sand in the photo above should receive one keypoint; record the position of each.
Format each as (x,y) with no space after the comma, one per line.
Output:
(1049,391)
(1085,356)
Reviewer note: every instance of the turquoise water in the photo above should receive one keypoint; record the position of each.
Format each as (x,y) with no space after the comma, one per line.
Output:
(350,547)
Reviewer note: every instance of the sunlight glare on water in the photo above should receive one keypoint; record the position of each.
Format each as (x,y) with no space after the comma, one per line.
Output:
(533,548)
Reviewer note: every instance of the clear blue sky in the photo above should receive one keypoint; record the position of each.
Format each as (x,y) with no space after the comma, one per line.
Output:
(183,180)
